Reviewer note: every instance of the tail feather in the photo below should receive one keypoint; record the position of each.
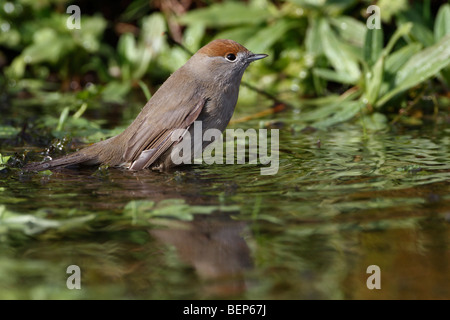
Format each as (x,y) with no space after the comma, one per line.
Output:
(71,159)
(105,151)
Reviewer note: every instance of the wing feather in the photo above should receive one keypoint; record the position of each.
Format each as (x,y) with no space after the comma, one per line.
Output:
(146,145)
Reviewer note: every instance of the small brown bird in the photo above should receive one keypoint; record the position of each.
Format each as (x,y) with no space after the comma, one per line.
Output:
(204,89)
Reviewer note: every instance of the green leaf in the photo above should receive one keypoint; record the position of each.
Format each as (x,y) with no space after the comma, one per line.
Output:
(47,46)
(377,78)
(337,55)
(226,14)
(373,46)
(126,47)
(136,55)
(397,59)
(116,91)
(31,224)
(142,210)
(374,79)
(323,108)
(10,38)
(62,119)
(310,4)
(313,42)
(348,110)
(322,101)
(151,37)
(420,67)
(350,29)
(80,111)
(267,36)
(331,7)
(240,34)
(442,24)
(145,90)
(17,68)
(141,65)
(8,132)
(394,62)
(45,173)
(332,75)
(420,30)
(403,30)
(193,35)
(375,121)
(374,56)
(175,58)
(389,8)
(90,32)
(137,209)
(3,161)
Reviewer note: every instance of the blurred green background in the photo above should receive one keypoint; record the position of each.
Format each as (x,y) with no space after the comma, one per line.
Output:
(323,61)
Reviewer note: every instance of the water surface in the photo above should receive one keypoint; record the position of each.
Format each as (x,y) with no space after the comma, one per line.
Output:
(340,202)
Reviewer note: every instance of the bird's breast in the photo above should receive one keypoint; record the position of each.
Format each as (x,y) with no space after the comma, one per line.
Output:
(218,112)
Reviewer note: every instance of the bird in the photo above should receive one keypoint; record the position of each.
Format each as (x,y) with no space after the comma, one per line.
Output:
(205,89)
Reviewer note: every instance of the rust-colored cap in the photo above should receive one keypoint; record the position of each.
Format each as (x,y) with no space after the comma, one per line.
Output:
(222,47)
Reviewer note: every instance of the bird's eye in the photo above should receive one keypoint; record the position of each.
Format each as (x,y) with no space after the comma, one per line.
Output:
(230,57)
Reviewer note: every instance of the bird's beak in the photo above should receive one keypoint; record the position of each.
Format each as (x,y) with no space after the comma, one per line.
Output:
(253,57)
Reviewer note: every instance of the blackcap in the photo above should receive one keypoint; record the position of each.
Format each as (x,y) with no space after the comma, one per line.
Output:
(204,89)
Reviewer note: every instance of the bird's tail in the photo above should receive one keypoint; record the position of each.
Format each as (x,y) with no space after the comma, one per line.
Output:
(71,159)
(85,156)
(103,152)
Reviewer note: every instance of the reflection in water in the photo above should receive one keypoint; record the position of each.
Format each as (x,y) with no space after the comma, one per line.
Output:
(331,211)
(214,247)
(212,244)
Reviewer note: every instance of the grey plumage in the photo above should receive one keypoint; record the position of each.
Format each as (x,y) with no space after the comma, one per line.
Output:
(205,89)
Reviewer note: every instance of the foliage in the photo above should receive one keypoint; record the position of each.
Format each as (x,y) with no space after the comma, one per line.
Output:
(3,161)
(142,210)
(33,223)
(316,49)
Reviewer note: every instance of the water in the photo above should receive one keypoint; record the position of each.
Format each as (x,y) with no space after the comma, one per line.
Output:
(340,203)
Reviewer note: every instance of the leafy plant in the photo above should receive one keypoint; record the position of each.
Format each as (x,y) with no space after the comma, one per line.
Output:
(338,49)
(143,210)
(378,74)
(323,60)
(55,44)
(134,57)
(3,161)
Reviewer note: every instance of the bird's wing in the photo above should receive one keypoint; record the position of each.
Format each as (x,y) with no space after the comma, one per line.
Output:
(147,144)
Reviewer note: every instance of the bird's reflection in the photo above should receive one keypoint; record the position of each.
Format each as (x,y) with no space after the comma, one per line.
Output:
(215,247)
(213,244)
